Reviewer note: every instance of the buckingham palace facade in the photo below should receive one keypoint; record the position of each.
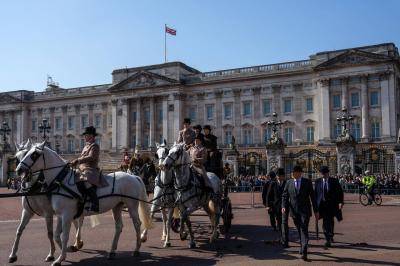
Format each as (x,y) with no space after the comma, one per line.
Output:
(144,105)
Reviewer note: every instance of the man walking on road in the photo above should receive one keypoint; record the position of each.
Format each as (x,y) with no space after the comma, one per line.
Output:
(329,196)
(296,197)
(270,211)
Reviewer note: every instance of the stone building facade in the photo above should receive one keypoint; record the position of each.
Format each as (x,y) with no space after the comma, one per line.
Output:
(144,105)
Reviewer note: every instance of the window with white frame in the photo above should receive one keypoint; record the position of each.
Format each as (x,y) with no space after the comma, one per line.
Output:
(374,98)
(310,134)
(355,131)
(355,99)
(267,134)
(192,113)
(246,108)
(160,116)
(82,143)
(337,130)
(228,111)
(210,112)
(134,117)
(71,122)
(289,135)
(228,136)
(267,106)
(147,116)
(34,125)
(309,105)
(375,131)
(247,136)
(98,141)
(97,120)
(287,105)
(84,121)
(337,102)
(58,121)
(70,146)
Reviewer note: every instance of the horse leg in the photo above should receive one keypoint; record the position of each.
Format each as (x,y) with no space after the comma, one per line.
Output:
(133,212)
(78,236)
(57,235)
(167,224)
(66,221)
(191,234)
(117,215)
(164,220)
(49,226)
(25,217)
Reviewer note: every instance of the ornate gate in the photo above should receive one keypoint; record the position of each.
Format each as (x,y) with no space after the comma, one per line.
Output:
(310,160)
(376,160)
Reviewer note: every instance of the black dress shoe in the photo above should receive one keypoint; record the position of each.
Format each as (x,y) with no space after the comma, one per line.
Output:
(285,245)
(327,244)
(300,252)
(304,257)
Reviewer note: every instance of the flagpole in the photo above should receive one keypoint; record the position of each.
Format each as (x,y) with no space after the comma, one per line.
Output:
(165,43)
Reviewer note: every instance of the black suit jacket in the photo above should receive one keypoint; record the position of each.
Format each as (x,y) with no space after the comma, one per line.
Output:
(299,203)
(334,196)
(264,192)
(274,195)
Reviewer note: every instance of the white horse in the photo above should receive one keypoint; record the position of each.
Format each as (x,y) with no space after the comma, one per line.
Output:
(191,195)
(41,206)
(164,196)
(123,189)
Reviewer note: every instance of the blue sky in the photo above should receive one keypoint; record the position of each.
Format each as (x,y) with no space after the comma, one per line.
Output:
(80,42)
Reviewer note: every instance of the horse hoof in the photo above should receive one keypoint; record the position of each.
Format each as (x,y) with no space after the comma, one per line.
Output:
(143,239)
(72,249)
(192,245)
(12,259)
(56,264)
(49,258)
(183,236)
(167,245)
(80,245)
(136,254)
(111,256)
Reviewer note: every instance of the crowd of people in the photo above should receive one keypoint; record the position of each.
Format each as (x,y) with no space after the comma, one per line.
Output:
(385,181)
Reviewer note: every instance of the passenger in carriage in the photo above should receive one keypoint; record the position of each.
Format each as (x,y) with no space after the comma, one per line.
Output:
(88,163)
(210,143)
(187,134)
(198,154)
(197,131)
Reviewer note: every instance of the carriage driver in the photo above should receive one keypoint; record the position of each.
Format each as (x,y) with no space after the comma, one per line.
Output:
(198,154)
(187,134)
(88,163)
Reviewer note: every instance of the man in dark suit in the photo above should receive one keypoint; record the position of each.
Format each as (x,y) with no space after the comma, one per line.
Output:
(274,205)
(329,196)
(296,197)
(266,187)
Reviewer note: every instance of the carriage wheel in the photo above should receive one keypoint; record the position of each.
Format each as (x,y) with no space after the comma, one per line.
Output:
(378,199)
(227,216)
(364,199)
(175,225)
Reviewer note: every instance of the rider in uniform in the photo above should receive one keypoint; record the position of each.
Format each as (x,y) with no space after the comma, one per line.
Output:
(88,164)
(198,154)
(187,134)
(210,143)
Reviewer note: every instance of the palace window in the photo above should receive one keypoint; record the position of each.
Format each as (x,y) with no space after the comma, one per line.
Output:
(267,106)
(337,101)
(227,111)
(375,131)
(71,122)
(192,113)
(97,120)
(355,131)
(228,137)
(247,109)
(84,121)
(267,134)
(134,117)
(70,146)
(210,112)
(147,116)
(309,105)
(337,130)
(355,99)
(287,106)
(374,98)
(98,141)
(289,135)
(310,134)
(247,137)
(133,141)
(82,143)
(34,125)
(160,115)
(58,123)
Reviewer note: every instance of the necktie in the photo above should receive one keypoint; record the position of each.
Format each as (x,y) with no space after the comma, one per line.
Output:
(325,189)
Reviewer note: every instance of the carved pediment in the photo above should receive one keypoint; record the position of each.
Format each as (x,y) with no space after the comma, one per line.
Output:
(8,99)
(143,79)
(353,57)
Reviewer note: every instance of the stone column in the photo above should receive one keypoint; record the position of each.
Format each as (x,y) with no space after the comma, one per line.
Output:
(200,108)
(152,124)
(52,123)
(19,138)
(139,123)
(123,124)
(104,114)
(324,122)
(218,115)
(4,170)
(165,119)
(237,116)
(63,143)
(114,124)
(345,152)
(385,106)
(38,121)
(178,119)
(256,115)
(365,128)
(90,108)
(23,124)
(345,92)
(77,127)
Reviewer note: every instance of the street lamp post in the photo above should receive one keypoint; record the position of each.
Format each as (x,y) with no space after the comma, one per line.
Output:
(5,131)
(345,119)
(44,128)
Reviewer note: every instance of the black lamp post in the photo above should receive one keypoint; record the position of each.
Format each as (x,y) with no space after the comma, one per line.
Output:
(345,119)
(5,131)
(44,128)
(274,124)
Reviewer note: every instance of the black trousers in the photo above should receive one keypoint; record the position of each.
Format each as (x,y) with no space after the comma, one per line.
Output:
(272,218)
(328,222)
(301,222)
(283,226)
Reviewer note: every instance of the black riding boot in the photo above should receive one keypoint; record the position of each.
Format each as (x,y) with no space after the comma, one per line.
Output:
(93,198)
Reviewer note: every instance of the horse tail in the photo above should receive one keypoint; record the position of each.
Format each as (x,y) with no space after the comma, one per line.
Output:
(211,206)
(176,214)
(144,209)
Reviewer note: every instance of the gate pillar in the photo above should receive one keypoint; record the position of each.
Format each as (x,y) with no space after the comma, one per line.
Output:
(232,159)
(275,151)
(345,152)
(396,150)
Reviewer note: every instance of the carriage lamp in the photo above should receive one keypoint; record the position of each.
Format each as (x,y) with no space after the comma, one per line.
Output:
(44,128)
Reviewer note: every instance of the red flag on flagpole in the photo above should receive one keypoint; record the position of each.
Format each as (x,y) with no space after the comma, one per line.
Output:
(170,31)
